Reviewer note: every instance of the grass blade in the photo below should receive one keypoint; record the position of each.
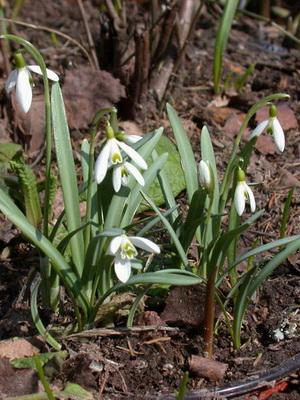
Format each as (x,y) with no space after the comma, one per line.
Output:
(67,174)
(221,40)
(186,153)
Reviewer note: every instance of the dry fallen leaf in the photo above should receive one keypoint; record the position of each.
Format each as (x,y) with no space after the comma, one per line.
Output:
(86,91)
(31,125)
(17,348)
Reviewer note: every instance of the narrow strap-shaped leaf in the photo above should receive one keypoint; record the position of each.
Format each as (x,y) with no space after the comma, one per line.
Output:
(253,282)
(218,253)
(63,269)
(169,228)
(259,250)
(166,277)
(240,307)
(221,40)
(194,218)
(36,318)
(67,172)
(186,152)
(166,190)
(154,221)
(208,155)
(135,198)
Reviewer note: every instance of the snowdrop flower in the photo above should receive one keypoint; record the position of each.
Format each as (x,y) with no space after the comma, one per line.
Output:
(20,78)
(111,155)
(243,193)
(121,174)
(123,249)
(205,177)
(271,125)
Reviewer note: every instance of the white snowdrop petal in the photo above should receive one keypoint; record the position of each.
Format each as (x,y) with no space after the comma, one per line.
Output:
(11,81)
(101,164)
(114,245)
(135,173)
(115,151)
(259,129)
(144,244)
(239,198)
(50,74)
(131,139)
(133,155)
(122,269)
(278,135)
(23,90)
(117,178)
(251,198)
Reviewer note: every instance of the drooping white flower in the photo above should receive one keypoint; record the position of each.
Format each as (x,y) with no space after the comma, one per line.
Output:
(243,193)
(121,174)
(19,78)
(271,125)
(205,178)
(111,155)
(123,249)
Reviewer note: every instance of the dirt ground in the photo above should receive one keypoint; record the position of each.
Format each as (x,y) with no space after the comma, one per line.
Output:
(134,364)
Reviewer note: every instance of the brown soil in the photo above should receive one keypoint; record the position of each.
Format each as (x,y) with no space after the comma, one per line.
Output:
(132,364)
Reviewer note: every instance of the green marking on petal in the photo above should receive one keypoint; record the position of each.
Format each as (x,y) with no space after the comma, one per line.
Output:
(128,250)
(116,158)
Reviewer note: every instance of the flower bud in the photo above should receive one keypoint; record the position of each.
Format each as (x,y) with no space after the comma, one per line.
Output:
(205,178)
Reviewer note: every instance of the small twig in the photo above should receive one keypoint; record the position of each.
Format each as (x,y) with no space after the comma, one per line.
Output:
(58,33)
(121,331)
(167,33)
(106,376)
(182,50)
(158,340)
(185,20)
(88,34)
(142,65)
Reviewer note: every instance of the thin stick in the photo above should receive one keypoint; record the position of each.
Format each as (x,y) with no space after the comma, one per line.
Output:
(58,33)
(88,34)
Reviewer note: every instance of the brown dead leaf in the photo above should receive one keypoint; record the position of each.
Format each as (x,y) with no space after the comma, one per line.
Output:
(7,232)
(16,382)
(16,348)
(31,125)
(131,128)
(265,144)
(86,91)
(287,179)
(207,368)
(149,318)
(233,124)
(185,306)
(219,101)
